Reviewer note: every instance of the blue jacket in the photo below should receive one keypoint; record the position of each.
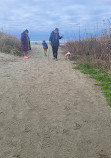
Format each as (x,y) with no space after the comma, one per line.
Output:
(45,46)
(54,38)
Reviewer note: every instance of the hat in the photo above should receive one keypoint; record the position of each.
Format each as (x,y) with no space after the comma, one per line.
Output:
(27,31)
(56,29)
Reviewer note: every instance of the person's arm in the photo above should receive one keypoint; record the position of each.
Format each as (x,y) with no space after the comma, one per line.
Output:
(29,44)
(60,37)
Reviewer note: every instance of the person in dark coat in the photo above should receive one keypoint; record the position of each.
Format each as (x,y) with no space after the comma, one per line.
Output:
(25,42)
(45,47)
(54,41)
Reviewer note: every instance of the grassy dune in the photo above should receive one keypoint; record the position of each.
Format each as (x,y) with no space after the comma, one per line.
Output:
(96,51)
(93,56)
(10,44)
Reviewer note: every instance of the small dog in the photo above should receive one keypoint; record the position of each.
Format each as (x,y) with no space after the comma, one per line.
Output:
(68,55)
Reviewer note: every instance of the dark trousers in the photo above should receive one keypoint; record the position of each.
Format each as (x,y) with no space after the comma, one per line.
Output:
(55,51)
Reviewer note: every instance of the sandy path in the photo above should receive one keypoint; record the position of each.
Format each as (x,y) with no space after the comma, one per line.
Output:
(48,110)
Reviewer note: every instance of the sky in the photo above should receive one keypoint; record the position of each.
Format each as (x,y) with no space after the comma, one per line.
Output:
(41,17)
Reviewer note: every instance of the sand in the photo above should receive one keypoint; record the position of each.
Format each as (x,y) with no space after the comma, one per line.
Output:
(49,110)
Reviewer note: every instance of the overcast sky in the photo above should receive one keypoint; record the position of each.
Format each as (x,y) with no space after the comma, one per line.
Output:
(42,16)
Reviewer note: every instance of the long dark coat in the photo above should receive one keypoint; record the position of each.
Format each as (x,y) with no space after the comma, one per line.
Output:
(25,42)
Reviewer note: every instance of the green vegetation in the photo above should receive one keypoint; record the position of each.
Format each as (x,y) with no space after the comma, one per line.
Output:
(99,75)
(10,44)
(92,55)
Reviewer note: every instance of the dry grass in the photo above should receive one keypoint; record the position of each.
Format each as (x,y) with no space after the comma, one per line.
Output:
(93,56)
(9,44)
(97,51)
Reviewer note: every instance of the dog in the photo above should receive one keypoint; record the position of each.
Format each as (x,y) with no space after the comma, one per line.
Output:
(68,55)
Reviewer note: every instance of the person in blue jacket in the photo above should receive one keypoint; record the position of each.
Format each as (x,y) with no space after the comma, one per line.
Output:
(54,41)
(45,47)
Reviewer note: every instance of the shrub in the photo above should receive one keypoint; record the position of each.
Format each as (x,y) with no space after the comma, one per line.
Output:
(94,50)
(10,44)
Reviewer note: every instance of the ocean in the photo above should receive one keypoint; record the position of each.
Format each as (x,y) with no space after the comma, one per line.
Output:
(40,42)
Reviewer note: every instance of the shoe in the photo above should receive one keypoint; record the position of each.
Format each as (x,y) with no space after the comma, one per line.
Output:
(26,57)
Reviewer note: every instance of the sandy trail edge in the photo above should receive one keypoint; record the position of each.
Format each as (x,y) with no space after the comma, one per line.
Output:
(48,110)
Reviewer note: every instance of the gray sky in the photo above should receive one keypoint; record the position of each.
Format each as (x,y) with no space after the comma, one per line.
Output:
(42,16)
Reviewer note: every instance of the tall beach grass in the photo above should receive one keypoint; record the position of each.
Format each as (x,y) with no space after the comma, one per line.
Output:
(93,56)
(10,44)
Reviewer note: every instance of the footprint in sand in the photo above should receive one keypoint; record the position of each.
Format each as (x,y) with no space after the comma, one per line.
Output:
(16,156)
(77,126)
(103,154)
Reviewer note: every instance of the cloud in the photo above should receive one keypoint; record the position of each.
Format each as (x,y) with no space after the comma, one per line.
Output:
(43,16)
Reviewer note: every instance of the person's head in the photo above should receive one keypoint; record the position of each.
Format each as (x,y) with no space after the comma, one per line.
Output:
(56,30)
(43,40)
(26,31)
